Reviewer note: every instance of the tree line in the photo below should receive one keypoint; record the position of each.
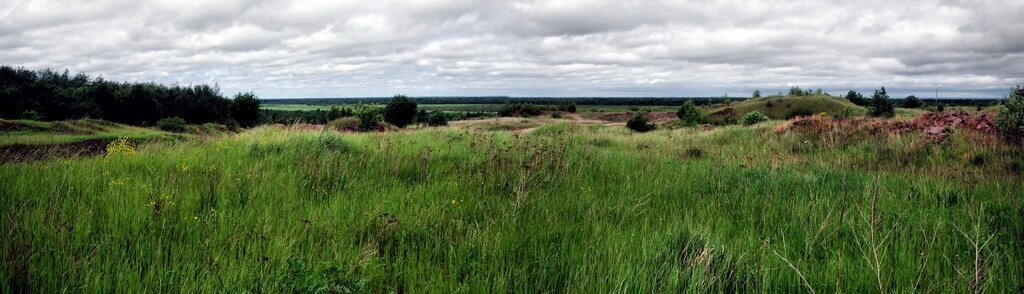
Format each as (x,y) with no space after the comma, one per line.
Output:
(52,95)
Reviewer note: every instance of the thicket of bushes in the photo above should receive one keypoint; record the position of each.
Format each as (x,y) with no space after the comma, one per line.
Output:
(50,95)
(1011,115)
(526,109)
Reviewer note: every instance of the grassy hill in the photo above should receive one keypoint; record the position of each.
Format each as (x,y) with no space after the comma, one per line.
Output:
(784,107)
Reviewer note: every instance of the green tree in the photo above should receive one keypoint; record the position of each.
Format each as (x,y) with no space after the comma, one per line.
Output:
(880,104)
(688,114)
(401,111)
(856,98)
(245,109)
(757,94)
(912,102)
(1010,119)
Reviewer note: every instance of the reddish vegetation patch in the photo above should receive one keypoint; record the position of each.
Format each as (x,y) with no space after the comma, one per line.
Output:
(724,113)
(933,126)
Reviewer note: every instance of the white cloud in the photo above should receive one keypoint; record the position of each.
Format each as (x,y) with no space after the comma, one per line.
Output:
(546,48)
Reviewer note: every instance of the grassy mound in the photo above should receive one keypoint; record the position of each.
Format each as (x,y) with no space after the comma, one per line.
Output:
(783,107)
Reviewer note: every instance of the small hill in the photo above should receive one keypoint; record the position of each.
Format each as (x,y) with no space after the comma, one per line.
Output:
(783,107)
(26,140)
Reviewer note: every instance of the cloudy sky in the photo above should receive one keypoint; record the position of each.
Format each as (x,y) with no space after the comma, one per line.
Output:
(340,48)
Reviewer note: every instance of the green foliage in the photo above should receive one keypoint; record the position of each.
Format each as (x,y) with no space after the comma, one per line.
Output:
(941,107)
(401,111)
(567,106)
(912,102)
(757,94)
(754,117)
(338,112)
(437,118)
(639,123)
(880,105)
(245,109)
(51,95)
(172,124)
(796,91)
(856,98)
(688,114)
(519,109)
(1010,119)
(369,117)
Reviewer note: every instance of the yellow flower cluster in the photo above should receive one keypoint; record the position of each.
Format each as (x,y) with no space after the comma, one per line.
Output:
(121,146)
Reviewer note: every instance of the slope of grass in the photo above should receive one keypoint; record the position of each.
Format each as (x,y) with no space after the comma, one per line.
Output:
(43,133)
(785,107)
(565,208)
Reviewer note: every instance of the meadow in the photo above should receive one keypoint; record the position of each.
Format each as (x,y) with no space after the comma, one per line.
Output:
(524,205)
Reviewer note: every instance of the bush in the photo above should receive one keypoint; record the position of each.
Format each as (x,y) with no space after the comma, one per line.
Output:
(437,118)
(688,114)
(339,112)
(940,108)
(567,106)
(880,104)
(640,123)
(171,124)
(912,102)
(518,109)
(400,111)
(344,124)
(1010,119)
(368,116)
(754,117)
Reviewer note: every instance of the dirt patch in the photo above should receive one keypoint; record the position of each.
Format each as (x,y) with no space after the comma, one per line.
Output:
(621,117)
(25,153)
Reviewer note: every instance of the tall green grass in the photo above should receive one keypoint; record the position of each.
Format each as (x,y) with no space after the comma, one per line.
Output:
(561,208)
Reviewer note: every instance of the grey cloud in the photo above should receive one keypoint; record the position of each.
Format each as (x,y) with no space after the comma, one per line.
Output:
(322,48)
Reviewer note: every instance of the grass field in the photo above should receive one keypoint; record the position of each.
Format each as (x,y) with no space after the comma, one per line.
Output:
(561,207)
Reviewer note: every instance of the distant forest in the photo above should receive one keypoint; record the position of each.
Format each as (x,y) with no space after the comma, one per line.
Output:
(632,101)
(51,95)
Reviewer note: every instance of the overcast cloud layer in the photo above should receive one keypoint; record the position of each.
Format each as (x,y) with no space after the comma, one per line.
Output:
(332,48)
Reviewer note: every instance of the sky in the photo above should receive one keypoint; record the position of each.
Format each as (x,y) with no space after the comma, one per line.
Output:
(340,48)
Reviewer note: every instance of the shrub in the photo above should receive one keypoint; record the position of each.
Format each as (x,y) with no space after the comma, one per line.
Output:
(639,123)
(349,124)
(437,118)
(368,116)
(940,108)
(880,104)
(171,124)
(556,114)
(688,114)
(400,111)
(120,146)
(912,102)
(796,91)
(754,117)
(757,94)
(338,112)
(518,109)
(567,106)
(1010,119)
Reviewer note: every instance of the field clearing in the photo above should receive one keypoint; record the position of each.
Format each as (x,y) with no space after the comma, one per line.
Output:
(561,207)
